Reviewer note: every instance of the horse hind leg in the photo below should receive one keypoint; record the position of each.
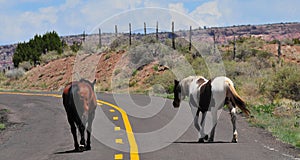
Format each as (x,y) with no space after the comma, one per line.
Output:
(233,120)
(214,113)
(202,135)
(212,134)
(89,130)
(74,133)
(82,126)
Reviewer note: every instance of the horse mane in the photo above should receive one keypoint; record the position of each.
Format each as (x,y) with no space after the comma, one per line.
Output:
(86,81)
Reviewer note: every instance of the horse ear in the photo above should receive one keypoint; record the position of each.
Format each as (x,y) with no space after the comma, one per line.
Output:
(176,82)
(94,82)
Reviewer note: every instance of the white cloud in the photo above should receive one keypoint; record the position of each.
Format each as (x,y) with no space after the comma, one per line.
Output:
(74,16)
(207,13)
(178,7)
(152,4)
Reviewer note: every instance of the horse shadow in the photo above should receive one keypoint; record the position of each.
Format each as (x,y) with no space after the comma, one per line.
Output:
(196,142)
(69,151)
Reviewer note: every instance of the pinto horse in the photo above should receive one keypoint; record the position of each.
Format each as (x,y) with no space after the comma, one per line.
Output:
(209,95)
(80,103)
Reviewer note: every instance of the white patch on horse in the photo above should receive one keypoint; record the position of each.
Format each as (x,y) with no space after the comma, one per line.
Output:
(233,111)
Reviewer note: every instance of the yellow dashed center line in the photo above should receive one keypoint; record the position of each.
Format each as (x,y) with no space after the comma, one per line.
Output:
(118,156)
(119,141)
(117,128)
(131,139)
(115,118)
(134,154)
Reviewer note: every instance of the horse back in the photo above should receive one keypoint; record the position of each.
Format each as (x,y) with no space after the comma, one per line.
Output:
(87,94)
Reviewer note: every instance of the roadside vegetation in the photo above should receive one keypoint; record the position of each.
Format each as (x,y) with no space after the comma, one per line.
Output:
(3,119)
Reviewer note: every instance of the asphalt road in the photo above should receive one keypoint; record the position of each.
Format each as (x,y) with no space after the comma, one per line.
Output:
(158,132)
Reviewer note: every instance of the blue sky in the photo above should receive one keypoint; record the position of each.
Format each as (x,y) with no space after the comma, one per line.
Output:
(22,19)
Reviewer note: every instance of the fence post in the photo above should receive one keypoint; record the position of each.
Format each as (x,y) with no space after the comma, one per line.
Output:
(173,35)
(214,38)
(279,49)
(234,48)
(190,38)
(129,34)
(100,43)
(116,30)
(83,36)
(145,30)
(157,30)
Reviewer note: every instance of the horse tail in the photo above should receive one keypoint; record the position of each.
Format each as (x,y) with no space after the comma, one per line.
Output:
(236,99)
(74,102)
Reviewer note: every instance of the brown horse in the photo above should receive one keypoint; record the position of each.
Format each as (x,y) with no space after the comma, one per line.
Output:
(80,103)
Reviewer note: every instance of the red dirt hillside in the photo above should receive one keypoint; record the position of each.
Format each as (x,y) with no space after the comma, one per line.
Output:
(56,74)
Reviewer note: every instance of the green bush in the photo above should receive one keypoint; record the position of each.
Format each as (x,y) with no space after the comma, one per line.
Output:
(149,39)
(286,82)
(118,43)
(163,81)
(268,108)
(296,41)
(75,47)
(32,50)
(2,126)
(155,67)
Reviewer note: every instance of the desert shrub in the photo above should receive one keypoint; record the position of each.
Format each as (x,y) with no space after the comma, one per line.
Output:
(182,45)
(75,47)
(15,73)
(268,108)
(107,56)
(134,72)
(155,67)
(286,83)
(46,58)
(274,41)
(26,65)
(296,41)
(162,82)
(149,39)
(2,76)
(118,42)
(117,71)
(143,54)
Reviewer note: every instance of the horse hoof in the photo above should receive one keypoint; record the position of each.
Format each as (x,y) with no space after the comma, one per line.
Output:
(234,141)
(88,147)
(201,140)
(210,140)
(78,149)
(206,137)
(81,148)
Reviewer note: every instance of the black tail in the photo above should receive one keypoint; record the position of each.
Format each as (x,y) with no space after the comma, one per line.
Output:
(74,103)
